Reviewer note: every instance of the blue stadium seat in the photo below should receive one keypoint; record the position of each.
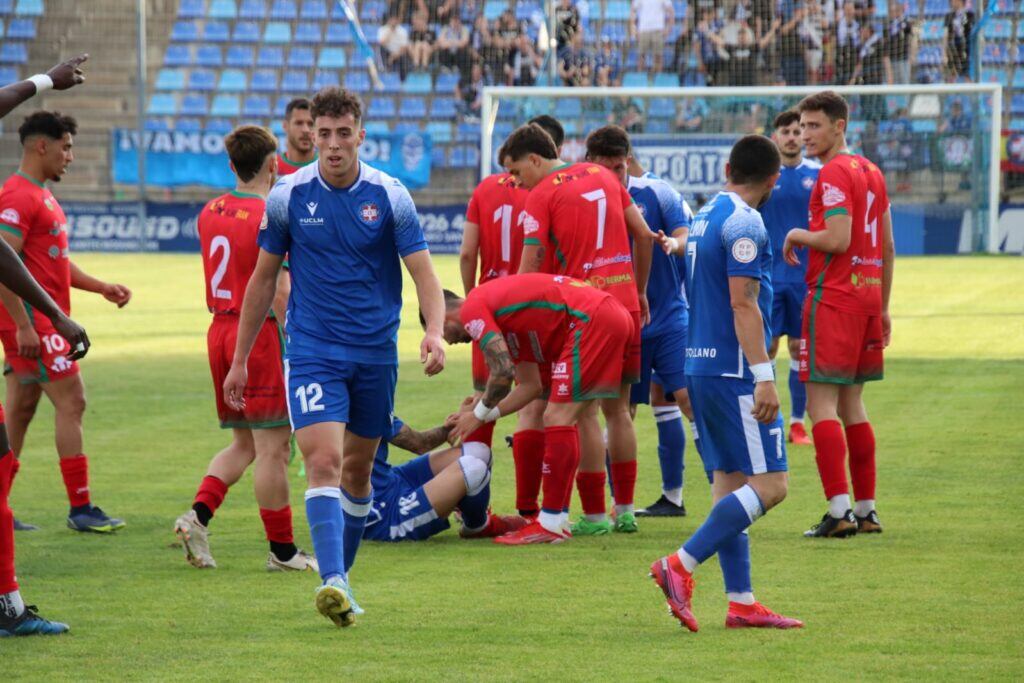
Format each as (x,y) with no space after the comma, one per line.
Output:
(8,75)
(373,11)
(357,81)
(277,32)
(1019,61)
(377,128)
(442,108)
(157,125)
(440,132)
(270,56)
(635,79)
(494,9)
(662,107)
(295,81)
(209,55)
(6,6)
(467,132)
(253,9)
(13,53)
(220,125)
(184,31)
(162,104)
(202,79)
(438,156)
(932,30)
(998,29)
(216,32)
(315,10)
(666,80)
(418,82)
(446,82)
(1020,28)
(995,53)
(616,10)
(192,9)
(924,126)
(177,55)
(371,31)
(1018,79)
(526,10)
(247,32)
(502,130)
(338,34)
(465,157)
(29,8)
(935,8)
(225,105)
(188,124)
(233,80)
(22,29)
(301,57)
(413,108)
(1017,125)
(240,56)
(1017,105)
(281,105)
(1004,7)
(995,75)
(325,79)
(308,32)
(568,107)
(381,107)
(658,126)
(194,105)
(223,9)
(170,79)
(331,58)
(283,9)
(881,10)
(406,127)
(264,80)
(256,105)
(277,128)
(391,83)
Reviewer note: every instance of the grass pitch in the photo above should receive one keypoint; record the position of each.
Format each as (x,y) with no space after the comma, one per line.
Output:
(938,595)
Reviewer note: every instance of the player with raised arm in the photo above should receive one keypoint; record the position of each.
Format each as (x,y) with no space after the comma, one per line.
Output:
(33,224)
(732,386)
(298,131)
(346,227)
(228,226)
(787,209)
(662,342)
(17,618)
(846,322)
(547,333)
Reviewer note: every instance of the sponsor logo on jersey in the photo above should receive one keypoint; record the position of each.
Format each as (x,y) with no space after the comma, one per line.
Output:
(10,216)
(701,352)
(530,224)
(311,207)
(860,280)
(744,250)
(602,282)
(369,213)
(558,369)
(475,328)
(831,195)
(603,261)
(857,261)
(53,252)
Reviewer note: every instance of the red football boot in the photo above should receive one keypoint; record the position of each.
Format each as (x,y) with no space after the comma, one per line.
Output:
(757,616)
(798,435)
(530,534)
(677,585)
(497,525)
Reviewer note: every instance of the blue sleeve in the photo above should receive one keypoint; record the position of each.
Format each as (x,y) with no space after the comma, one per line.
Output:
(744,238)
(408,231)
(671,207)
(276,236)
(396,427)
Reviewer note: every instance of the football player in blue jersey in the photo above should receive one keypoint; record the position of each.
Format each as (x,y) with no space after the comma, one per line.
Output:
(788,209)
(345,227)
(732,386)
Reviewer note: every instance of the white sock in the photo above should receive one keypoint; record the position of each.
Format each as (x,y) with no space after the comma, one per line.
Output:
(688,560)
(623,509)
(742,598)
(597,519)
(11,604)
(838,505)
(863,508)
(674,496)
(794,420)
(693,431)
(552,521)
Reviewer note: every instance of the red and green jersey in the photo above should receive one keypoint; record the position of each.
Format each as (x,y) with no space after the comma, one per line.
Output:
(533,312)
(29,210)
(577,214)
(497,207)
(228,226)
(285,166)
(849,185)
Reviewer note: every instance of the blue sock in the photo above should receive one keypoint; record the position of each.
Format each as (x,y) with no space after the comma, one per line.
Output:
(474,509)
(326,527)
(734,559)
(355,510)
(728,517)
(797,392)
(671,446)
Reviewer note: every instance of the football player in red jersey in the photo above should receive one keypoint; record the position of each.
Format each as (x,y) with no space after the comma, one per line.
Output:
(578,221)
(227,233)
(298,131)
(846,320)
(33,223)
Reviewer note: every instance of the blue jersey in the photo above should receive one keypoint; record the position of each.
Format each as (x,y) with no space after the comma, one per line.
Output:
(380,478)
(787,209)
(664,210)
(343,247)
(727,239)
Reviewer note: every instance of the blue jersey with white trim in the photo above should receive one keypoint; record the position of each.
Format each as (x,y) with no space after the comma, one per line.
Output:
(727,239)
(663,209)
(787,209)
(343,247)
(380,477)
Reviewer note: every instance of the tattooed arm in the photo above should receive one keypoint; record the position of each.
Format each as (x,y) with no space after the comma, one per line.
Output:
(502,371)
(420,442)
(532,258)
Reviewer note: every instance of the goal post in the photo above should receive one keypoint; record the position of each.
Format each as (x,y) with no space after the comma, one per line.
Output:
(939,145)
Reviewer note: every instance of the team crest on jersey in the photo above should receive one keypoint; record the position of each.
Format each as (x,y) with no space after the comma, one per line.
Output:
(831,195)
(643,209)
(808,182)
(563,389)
(475,328)
(10,216)
(311,207)
(530,224)
(744,250)
(369,213)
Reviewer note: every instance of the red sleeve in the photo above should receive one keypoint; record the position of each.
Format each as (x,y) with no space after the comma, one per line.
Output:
(883,191)
(836,190)
(473,210)
(478,320)
(537,219)
(17,211)
(627,199)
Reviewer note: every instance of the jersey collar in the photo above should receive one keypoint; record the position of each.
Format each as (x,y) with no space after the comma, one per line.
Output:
(30,179)
(331,188)
(244,195)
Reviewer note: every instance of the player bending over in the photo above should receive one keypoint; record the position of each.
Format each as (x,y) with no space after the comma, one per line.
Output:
(228,226)
(732,386)
(846,320)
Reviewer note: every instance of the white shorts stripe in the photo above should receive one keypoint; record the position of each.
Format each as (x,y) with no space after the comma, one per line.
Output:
(287,391)
(752,432)
(406,527)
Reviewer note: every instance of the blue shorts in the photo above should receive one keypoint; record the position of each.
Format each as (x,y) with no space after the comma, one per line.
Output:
(666,355)
(401,511)
(787,307)
(731,440)
(360,395)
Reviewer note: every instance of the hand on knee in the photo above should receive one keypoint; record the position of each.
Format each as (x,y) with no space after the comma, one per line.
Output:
(475,473)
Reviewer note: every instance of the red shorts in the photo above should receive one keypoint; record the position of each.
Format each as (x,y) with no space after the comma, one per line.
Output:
(480,371)
(837,347)
(631,364)
(265,404)
(52,363)
(592,362)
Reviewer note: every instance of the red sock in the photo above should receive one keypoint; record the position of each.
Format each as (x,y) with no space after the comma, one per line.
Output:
(561,454)
(8,582)
(861,441)
(591,488)
(576,455)
(528,454)
(483,434)
(75,471)
(278,524)
(211,493)
(624,481)
(830,453)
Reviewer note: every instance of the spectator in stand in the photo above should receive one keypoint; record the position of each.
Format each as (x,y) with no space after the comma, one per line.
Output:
(453,45)
(504,36)
(691,114)
(959,24)
(469,92)
(626,113)
(422,40)
(650,21)
(710,48)
(738,39)
(608,64)
(437,11)
(956,121)
(900,44)
(567,24)
(682,52)
(870,70)
(813,30)
(403,9)
(577,65)
(762,20)
(523,63)
(394,46)
(847,43)
(791,46)
(483,44)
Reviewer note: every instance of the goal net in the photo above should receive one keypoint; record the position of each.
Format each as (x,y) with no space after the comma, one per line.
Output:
(937,144)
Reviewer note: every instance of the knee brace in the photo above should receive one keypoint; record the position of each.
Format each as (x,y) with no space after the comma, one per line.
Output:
(475,473)
(480,451)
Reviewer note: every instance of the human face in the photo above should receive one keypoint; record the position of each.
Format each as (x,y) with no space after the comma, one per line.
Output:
(338,140)
(821,136)
(299,130)
(787,139)
(617,165)
(529,170)
(454,332)
(767,190)
(57,156)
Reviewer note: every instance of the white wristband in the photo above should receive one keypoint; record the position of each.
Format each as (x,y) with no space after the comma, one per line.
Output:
(674,244)
(42,82)
(485,414)
(763,372)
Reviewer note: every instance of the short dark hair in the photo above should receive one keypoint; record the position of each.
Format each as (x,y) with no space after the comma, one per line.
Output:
(450,300)
(297,103)
(608,141)
(552,126)
(528,139)
(336,102)
(828,101)
(753,159)
(52,124)
(248,148)
(786,118)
